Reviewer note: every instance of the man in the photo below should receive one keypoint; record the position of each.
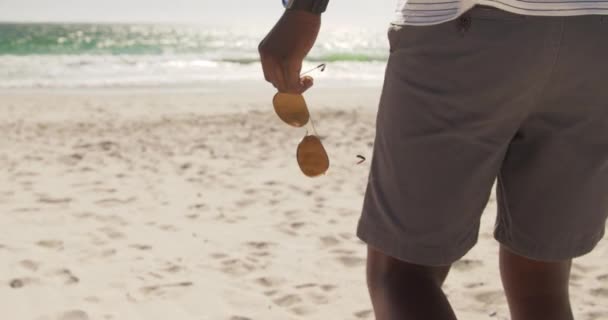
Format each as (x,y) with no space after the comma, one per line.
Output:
(474,90)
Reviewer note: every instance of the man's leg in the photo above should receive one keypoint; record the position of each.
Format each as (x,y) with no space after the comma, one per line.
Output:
(535,290)
(405,291)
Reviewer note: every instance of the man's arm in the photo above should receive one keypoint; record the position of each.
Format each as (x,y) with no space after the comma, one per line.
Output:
(288,43)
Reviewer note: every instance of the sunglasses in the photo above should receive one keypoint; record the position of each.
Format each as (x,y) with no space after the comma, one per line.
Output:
(292,109)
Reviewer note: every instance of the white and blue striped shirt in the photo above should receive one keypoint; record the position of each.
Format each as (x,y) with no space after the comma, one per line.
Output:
(427,12)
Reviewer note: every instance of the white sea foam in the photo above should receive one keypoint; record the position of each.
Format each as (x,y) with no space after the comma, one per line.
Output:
(74,56)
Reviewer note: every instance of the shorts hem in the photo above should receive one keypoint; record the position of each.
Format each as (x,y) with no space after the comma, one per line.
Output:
(550,254)
(386,242)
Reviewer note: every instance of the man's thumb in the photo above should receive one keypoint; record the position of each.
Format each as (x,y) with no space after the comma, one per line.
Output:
(306,83)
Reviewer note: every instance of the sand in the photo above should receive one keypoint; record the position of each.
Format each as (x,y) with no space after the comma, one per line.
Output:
(148,204)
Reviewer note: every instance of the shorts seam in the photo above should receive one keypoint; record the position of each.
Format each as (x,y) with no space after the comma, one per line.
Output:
(508,223)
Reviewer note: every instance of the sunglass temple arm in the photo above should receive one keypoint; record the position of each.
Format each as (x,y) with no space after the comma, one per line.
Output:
(321,66)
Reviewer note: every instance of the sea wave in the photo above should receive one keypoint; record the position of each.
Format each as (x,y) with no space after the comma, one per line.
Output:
(335,57)
(53,71)
(77,55)
(238,46)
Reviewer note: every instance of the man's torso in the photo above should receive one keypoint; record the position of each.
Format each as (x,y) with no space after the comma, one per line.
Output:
(428,12)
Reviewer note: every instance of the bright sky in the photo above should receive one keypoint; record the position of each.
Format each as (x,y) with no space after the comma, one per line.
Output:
(260,13)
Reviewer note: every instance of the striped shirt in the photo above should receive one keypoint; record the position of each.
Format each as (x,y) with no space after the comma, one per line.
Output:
(427,12)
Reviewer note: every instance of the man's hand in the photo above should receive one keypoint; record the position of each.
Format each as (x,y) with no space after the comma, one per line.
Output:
(284,48)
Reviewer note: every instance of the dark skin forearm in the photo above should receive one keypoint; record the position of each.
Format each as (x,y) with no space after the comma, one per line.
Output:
(282,52)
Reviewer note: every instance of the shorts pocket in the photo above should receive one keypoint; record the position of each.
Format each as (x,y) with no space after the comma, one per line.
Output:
(412,37)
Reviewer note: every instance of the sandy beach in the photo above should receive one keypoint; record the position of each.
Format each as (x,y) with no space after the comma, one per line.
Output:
(185,204)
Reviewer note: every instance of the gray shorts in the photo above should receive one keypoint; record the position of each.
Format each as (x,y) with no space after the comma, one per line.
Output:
(491,95)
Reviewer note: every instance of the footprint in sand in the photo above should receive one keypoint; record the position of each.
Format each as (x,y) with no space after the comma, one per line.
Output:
(259,245)
(218,255)
(50,244)
(351,261)
(270,293)
(306,285)
(603,278)
(66,276)
(22,282)
(575,277)
(250,192)
(261,254)
(112,233)
(290,213)
(108,253)
(67,315)
(192,216)
(198,206)
(317,298)
(111,219)
(302,310)
(271,183)
(73,315)
(273,202)
(103,190)
(83,215)
(161,289)
(29,265)
(596,315)
(491,297)
(168,227)
(474,285)
(92,299)
(142,247)
(345,236)
(239,318)
(25,174)
(269,282)
(173,268)
(600,292)
(245,203)
(329,241)
(112,202)
(363,314)
(327,287)
(237,267)
(51,200)
(25,210)
(156,275)
(467,264)
(288,300)
(71,159)
(576,267)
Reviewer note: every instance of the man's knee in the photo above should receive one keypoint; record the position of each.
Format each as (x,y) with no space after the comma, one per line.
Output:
(383,270)
(524,276)
(535,289)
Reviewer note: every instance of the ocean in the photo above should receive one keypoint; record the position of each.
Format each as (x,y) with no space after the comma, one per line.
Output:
(128,55)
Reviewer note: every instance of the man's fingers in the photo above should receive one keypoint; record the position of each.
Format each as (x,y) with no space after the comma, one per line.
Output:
(272,72)
(269,66)
(291,72)
(306,82)
(265,67)
(285,76)
(279,79)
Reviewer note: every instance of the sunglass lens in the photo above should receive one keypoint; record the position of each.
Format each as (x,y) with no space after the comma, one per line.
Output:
(312,158)
(291,108)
